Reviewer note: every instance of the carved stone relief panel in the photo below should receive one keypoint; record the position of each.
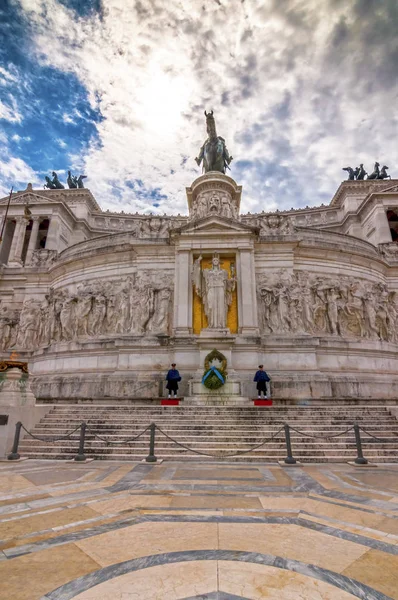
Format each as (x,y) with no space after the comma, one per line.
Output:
(217,202)
(347,307)
(138,305)
(274,224)
(8,327)
(43,258)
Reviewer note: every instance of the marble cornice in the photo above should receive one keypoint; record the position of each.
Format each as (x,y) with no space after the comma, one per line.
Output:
(367,186)
(341,241)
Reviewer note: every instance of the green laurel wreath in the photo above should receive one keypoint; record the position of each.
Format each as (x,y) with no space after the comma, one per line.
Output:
(212,382)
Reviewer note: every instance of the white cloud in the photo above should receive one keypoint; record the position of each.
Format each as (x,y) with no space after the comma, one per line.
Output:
(152,67)
(10,113)
(15,169)
(7,77)
(67,118)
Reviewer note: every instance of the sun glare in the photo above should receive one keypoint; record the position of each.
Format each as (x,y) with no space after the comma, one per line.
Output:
(163,99)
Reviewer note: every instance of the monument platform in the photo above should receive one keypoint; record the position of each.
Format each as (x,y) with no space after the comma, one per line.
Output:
(220,530)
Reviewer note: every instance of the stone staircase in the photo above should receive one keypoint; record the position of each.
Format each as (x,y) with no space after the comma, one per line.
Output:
(215,430)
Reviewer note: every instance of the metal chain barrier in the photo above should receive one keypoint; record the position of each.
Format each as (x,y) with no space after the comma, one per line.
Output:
(383,441)
(219,455)
(321,437)
(108,442)
(64,437)
(14,455)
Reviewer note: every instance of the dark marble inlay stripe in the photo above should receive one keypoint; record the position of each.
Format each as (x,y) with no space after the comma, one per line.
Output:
(83,534)
(82,584)
(383,504)
(132,478)
(197,487)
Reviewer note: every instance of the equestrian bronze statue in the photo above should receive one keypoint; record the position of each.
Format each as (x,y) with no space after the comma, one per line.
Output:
(213,153)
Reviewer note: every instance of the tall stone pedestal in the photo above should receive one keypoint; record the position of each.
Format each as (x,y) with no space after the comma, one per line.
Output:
(17,403)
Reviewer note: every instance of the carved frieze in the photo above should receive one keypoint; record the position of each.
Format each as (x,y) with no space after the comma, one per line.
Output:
(211,202)
(345,306)
(43,258)
(389,251)
(138,305)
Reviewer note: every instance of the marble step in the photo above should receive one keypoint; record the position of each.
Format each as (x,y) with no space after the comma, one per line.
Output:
(166,455)
(190,433)
(268,449)
(189,420)
(300,404)
(200,427)
(220,410)
(308,460)
(162,442)
(214,418)
(342,450)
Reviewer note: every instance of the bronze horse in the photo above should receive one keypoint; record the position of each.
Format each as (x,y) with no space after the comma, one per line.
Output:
(214,152)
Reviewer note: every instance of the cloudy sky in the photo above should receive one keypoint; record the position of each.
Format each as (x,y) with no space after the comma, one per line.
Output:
(116,89)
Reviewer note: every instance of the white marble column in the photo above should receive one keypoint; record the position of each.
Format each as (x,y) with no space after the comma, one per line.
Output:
(182,309)
(52,234)
(33,239)
(2,218)
(17,242)
(382,234)
(247,308)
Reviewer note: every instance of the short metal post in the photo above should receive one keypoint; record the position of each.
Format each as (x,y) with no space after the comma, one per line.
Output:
(289,460)
(360,460)
(14,455)
(81,456)
(151,456)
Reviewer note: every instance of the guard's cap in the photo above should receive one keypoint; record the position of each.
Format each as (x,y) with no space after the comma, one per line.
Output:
(260,366)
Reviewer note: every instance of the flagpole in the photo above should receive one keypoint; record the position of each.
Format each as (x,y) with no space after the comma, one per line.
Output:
(5,216)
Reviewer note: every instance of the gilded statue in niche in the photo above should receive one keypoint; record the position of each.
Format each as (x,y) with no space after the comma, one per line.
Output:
(215,286)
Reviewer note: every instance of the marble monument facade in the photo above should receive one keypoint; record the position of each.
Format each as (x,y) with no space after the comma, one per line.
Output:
(99,304)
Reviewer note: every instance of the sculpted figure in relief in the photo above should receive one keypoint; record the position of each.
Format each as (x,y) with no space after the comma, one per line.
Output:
(160,320)
(68,319)
(141,306)
(82,310)
(202,207)
(226,210)
(97,316)
(28,327)
(8,323)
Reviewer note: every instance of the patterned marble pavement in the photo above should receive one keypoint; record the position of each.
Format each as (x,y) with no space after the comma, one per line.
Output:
(124,531)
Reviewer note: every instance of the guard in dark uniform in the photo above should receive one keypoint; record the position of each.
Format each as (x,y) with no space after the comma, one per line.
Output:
(172,378)
(261,378)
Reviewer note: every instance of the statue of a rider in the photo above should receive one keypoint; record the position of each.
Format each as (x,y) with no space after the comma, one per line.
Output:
(213,153)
